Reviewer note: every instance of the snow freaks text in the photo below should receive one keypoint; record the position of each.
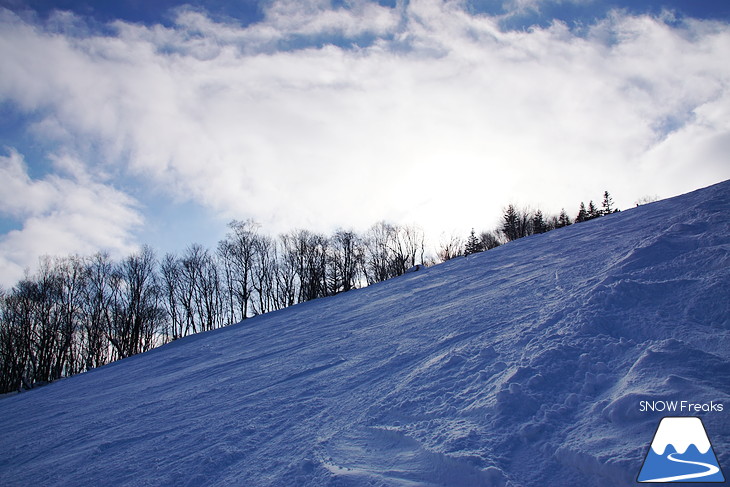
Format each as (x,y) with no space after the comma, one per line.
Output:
(680,407)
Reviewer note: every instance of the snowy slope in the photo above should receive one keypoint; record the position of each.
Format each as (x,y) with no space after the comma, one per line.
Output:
(524,365)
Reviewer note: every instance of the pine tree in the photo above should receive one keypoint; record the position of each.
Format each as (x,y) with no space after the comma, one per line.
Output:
(510,223)
(607,204)
(582,213)
(563,219)
(593,212)
(538,223)
(473,245)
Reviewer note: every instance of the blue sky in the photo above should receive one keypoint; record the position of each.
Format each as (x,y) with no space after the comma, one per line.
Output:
(124,123)
(523,13)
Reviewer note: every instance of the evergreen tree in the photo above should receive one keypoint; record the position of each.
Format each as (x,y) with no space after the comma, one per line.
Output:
(516,223)
(473,245)
(607,204)
(563,219)
(582,213)
(593,211)
(510,223)
(538,223)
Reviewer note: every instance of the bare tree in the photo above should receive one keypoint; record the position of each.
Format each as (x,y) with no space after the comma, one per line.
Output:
(345,261)
(190,273)
(449,248)
(490,240)
(307,253)
(287,272)
(194,291)
(209,302)
(44,294)
(646,199)
(137,315)
(170,287)
(96,309)
(265,272)
(16,340)
(228,286)
(408,248)
(71,275)
(379,243)
(238,251)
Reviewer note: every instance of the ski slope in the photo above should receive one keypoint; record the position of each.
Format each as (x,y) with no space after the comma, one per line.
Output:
(521,366)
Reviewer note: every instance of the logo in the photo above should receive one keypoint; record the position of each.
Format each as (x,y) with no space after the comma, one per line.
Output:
(680,452)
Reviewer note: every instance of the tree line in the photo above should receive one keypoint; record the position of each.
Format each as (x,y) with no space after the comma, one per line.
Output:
(517,223)
(77,313)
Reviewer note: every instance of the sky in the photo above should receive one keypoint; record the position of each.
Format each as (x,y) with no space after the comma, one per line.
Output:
(130,123)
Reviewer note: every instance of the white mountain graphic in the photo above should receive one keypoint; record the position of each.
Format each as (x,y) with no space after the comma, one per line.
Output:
(670,458)
(680,433)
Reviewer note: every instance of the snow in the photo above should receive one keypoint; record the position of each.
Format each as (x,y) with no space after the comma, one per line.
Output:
(524,365)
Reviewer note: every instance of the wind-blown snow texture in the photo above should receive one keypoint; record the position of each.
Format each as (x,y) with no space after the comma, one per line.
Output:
(524,365)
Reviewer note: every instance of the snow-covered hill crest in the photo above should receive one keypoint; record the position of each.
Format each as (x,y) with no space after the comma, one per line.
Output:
(524,365)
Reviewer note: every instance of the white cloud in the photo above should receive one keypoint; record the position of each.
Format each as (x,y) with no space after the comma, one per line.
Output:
(441,119)
(316,17)
(511,5)
(60,215)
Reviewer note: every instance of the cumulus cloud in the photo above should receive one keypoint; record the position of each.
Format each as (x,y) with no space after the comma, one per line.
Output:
(320,116)
(60,215)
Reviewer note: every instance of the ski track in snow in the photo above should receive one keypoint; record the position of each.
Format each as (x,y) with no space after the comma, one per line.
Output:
(711,469)
(519,366)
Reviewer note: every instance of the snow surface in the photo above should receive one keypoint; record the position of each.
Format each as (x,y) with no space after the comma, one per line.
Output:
(524,365)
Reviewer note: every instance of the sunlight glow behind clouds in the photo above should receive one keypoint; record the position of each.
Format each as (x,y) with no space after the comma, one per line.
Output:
(438,117)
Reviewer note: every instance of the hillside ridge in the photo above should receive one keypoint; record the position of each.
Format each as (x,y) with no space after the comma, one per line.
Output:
(522,365)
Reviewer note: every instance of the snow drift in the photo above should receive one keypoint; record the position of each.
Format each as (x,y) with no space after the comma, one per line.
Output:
(524,365)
